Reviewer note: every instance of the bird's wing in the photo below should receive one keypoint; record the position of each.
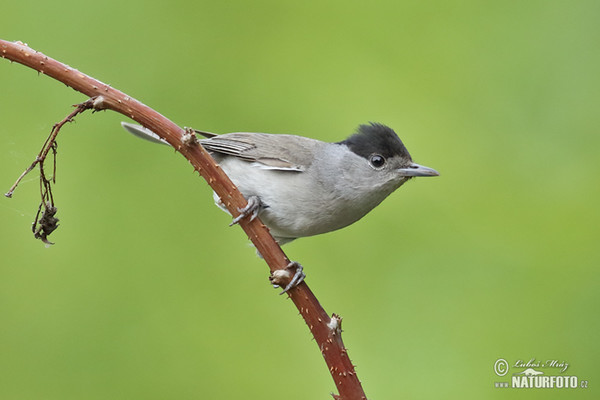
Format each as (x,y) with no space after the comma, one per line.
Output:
(281,152)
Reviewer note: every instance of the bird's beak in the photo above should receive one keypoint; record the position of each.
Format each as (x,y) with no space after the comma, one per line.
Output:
(417,170)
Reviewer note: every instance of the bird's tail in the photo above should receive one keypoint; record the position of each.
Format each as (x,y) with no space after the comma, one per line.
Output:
(147,134)
(144,133)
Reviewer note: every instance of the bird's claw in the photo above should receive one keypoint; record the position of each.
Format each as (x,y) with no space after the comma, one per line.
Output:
(278,277)
(252,208)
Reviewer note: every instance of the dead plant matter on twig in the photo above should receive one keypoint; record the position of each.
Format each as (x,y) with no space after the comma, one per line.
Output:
(45,221)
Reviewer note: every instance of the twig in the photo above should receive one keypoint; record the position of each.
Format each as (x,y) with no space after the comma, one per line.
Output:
(326,330)
(47,223)
(50,144)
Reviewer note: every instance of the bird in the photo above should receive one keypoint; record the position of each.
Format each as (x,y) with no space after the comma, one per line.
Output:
(299,186)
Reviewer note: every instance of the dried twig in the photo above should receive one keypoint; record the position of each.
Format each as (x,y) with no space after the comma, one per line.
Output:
(45,222)
(326,330)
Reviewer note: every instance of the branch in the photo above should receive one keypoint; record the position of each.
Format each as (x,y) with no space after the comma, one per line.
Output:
(326,330)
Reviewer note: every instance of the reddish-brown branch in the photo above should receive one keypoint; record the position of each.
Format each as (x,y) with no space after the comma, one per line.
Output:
(326,330)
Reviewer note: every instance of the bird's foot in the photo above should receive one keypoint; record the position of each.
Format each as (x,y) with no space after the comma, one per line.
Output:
(278,277)
(253,207)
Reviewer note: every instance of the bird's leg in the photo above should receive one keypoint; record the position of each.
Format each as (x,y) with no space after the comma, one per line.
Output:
(278,277)
(253,207)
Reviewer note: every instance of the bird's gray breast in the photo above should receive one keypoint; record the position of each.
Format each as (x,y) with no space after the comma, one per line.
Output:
(321,195)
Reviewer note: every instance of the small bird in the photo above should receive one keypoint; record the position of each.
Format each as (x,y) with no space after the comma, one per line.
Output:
(303,187)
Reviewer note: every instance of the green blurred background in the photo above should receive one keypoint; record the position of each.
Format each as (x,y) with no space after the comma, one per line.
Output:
(148,294)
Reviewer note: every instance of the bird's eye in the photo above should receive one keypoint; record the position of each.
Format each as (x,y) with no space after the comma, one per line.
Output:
(377,161)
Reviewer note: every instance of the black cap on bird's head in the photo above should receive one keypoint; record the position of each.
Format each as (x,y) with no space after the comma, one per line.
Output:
(378,140)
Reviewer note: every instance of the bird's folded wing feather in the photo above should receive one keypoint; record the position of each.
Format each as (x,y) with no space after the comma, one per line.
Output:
(282,152)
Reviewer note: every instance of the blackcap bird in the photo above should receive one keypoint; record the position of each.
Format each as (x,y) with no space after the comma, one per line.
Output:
(302,187)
